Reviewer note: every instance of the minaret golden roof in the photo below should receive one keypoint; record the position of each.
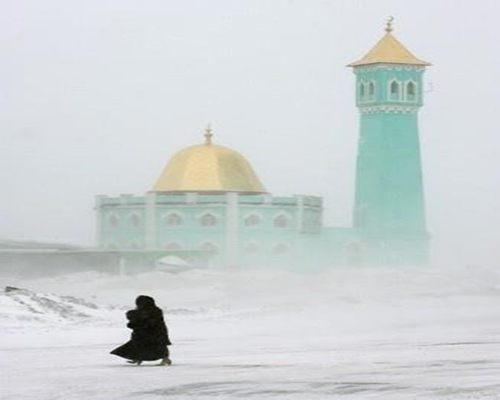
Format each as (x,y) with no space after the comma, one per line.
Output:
(208,168)
(389,50)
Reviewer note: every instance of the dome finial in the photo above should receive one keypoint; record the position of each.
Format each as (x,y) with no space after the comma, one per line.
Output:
(388,27)
(208,134)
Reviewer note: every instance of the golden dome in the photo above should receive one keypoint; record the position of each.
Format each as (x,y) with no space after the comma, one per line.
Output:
(389,50)
(208,168)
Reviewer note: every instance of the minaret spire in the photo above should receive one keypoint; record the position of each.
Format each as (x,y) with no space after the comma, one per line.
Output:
(208,134)
(388,27)
(389,50)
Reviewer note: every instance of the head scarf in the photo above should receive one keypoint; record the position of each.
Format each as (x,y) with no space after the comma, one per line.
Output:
(145,302)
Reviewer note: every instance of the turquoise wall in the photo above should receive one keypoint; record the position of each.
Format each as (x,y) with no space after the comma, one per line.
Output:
(263,241)
(389,212)
(389,188)
(382,76)
(125,234)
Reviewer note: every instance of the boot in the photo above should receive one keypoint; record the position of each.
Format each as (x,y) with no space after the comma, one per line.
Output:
(165,361)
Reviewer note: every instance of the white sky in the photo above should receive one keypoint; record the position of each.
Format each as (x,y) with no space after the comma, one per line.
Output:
(96,95)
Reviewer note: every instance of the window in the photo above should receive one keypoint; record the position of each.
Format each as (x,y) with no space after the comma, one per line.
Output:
(135,221)
(371,91)
(207,246)
(281,221)
(411,91)
(173,246)
(280,248)
(251,248)
(362,92)
(208,220)
(113,221)
(173,220)
(252,220)
(394,91)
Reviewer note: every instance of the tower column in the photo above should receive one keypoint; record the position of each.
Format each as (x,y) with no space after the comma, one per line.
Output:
(150,221)
(389,211)
(232,229)
(98,216)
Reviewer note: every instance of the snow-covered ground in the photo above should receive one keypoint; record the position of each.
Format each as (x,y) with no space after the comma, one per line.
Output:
(391,334)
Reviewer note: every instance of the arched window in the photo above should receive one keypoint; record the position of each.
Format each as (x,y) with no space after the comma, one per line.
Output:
(281,221)
(280,248)
(173,220)
(411,90)
(113,221)
(371,91)
(208,220)
(252,220)
(173,246)
(251,248)
(394,91)
(362,92)
(135,220)
(208,246)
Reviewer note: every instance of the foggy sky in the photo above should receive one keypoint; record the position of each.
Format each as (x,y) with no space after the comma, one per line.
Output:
(97,95)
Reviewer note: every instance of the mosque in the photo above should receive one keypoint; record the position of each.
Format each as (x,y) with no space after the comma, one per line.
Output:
(208,203)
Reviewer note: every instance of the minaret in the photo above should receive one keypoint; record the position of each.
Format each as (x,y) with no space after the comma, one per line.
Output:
(389,212)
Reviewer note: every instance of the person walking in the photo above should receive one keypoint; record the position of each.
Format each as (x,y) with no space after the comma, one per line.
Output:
(149,339)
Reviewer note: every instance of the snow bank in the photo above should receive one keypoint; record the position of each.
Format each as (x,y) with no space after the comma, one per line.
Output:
(248,294)
(22,309)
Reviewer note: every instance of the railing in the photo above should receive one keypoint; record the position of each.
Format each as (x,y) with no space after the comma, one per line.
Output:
(309,201)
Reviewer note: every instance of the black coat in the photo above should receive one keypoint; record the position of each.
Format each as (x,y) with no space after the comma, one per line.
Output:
(149,339)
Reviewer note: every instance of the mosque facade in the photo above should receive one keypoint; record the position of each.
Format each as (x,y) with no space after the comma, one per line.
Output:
(209,201)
